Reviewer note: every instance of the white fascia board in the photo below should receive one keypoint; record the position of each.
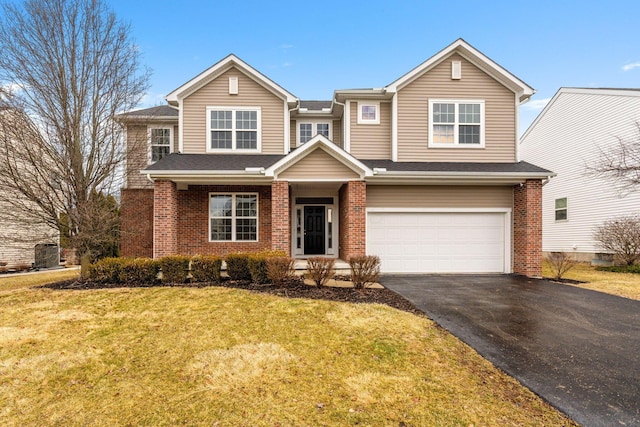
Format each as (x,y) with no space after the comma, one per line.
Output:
(222,66)
(319,141)
(473,55)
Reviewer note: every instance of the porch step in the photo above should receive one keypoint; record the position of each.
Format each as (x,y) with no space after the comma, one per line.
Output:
(341,267)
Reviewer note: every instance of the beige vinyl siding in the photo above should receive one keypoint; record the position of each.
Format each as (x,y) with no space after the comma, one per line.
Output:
(319,164)
(250,94)
(337,133)
(413,115)
(138,155)
(293,134)
(439,196)
(369,141)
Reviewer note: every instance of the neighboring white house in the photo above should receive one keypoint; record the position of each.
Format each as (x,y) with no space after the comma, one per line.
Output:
(567,137)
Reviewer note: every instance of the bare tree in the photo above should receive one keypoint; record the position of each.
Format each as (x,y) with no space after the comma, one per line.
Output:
(67,68)
(622,237)
(621,163)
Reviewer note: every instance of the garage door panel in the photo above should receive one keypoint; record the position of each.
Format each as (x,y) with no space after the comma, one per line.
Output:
(437,242)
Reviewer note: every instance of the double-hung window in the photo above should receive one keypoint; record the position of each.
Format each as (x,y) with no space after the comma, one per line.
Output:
(456,123)
(233,129)
(307,130)
(160,139)
(561,209)
(233,217)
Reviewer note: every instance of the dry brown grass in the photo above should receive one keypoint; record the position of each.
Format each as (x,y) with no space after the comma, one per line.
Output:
(26,280)
(622,284)
(217,356)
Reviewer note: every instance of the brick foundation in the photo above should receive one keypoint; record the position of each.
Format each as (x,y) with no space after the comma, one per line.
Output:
(165,217)
(136,222)
(353,204)
(527,228)
(280,217)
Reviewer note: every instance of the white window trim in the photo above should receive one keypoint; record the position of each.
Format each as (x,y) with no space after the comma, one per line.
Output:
(456,144)
(555,210)
(234,217)
(362,121)
(314,129)
(150,145)
(233,132)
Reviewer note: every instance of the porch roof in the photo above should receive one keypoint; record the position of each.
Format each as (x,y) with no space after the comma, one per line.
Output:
(213,162)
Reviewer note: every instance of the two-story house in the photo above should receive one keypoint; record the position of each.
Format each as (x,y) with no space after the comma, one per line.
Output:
(423,172)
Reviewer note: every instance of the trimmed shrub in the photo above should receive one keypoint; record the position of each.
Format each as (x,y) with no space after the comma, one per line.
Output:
(140,271)
(622,237)
(238,266)
(257,263)
(175,268)
(106,270)
(320,270)
(560,263)
(206,268)
(280,269)
(634,269)
(364,269)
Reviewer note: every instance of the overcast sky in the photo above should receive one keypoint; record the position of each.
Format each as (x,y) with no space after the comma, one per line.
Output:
(312,48)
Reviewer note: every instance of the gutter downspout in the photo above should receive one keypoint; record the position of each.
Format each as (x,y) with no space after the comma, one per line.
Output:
(288,142)
(343,128)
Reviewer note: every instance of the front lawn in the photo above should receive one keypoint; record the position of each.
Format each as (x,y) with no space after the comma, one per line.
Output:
(25,280)
(229,357)
(622,284)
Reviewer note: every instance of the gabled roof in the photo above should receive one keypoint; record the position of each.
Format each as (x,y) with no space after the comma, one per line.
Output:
(222,66)
(319,142)
(630,92)
(474,56)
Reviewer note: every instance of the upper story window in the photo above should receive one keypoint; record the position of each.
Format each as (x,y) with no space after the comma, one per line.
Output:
(456,123)
(369,113)
(233,129)
(307,130)
(561,209)
(160,142)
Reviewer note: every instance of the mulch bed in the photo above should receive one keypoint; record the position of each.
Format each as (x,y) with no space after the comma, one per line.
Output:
(295,289)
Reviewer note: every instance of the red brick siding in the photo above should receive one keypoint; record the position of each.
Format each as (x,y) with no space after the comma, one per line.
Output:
(353,203)
(193,220)
(280,216)
(165,216)
(136,222)
(527,228)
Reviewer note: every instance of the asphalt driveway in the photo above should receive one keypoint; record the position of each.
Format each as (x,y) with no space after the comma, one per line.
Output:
(576,348)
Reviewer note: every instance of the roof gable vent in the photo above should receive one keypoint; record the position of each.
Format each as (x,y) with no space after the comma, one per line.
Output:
(456,70)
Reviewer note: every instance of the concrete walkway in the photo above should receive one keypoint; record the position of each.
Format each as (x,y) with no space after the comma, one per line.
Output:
(578,349)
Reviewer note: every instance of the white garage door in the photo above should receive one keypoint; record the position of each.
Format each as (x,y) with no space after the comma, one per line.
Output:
(421,242)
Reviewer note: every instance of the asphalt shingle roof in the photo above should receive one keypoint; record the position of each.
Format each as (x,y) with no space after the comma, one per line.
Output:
(390,165)
(315,105)
(159,111)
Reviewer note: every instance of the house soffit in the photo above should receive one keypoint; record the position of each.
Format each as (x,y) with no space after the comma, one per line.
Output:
(319,142)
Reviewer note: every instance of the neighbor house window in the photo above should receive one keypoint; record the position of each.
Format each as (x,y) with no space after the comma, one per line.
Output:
(456,123)
(307,130)
(233,128)
(160,141)
(233,217)
(369,113)
(561,209)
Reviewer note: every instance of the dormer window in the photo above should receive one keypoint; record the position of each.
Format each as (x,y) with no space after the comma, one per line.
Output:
(233,129)
(456,123)
(368,113)
(308,129)
(160,142)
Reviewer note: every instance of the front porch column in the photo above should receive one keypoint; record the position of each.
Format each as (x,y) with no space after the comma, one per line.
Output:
(527,228)
(280,217)
(353,205)
(165,219)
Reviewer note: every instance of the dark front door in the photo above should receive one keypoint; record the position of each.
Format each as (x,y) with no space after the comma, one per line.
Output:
(314,230)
